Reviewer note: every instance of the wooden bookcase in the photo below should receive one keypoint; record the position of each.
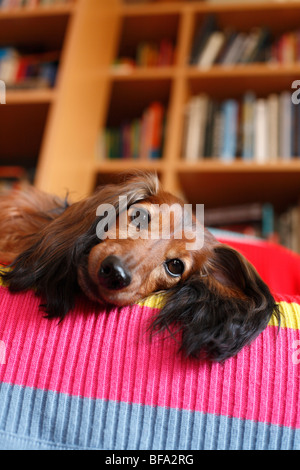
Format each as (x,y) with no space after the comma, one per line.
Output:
(90,90)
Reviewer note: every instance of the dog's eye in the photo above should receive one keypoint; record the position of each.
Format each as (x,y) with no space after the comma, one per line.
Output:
(139,217)
(174,267)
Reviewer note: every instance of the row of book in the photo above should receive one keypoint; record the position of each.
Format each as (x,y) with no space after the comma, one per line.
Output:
(259,220)
(288,226)
(12,177)
(140,138)
(255,219)
(214,46)
(255,129)
(11,4)
(28,70)
(150,54)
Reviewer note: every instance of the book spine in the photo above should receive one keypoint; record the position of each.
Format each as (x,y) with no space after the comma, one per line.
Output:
(195,138)
(260,143)
(272,126)
(248,126)
(191,140)
(285,121)
(230,109)
(156,131)
(211,51)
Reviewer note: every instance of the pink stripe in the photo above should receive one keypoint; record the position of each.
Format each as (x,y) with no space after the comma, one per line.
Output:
(109,355)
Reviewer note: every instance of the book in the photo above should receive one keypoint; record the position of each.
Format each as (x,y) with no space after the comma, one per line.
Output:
(234,52)
(250,45)
(196,115)
(260,131)
(218,131)
(155,130)
(248,107)
(229,39)
(285,125)
(211,50)
(296,128)
(288,227)
(262,42)
(230,110)
(152,54)
(209,128)
(272,126)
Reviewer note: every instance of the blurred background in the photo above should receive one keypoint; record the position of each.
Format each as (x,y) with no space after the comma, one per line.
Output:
(202,92)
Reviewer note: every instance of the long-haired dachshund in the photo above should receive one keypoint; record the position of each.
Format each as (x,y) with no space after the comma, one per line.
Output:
(214,294)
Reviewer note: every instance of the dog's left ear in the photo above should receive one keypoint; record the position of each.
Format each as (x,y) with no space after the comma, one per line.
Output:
(220,310)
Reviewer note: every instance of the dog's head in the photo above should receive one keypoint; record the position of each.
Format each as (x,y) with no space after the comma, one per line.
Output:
(124,243)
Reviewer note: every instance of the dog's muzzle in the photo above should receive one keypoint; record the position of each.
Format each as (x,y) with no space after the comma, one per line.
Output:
(113,274)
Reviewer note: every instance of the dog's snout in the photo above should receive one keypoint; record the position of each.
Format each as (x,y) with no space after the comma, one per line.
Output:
(112,273)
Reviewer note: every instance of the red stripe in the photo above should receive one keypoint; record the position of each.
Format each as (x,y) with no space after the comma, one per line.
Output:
(109,355)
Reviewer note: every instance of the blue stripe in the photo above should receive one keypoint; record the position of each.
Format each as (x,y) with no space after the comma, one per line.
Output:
(41,420)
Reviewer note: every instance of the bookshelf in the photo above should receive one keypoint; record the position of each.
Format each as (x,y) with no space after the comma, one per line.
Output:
(92,94)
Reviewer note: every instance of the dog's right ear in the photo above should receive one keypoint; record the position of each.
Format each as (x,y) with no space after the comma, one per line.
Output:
(220,312)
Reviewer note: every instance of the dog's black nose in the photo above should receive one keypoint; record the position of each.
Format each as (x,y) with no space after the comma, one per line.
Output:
(112,274)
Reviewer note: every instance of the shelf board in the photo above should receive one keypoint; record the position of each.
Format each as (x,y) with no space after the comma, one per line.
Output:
(142,73)
(114,166)
(36,28)
(217,166)
(246,6)
(241,71)
(219,184)
(232,81)
(159,8)
(204,7)
(30,96)
(54,10)
(201,167)
(214,72)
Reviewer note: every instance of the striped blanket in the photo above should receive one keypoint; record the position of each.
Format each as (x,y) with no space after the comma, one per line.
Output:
(98,381)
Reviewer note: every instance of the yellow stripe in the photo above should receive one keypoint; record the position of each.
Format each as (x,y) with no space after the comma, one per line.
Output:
(290,312)
(3,269)
(290,316)
(153,301)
